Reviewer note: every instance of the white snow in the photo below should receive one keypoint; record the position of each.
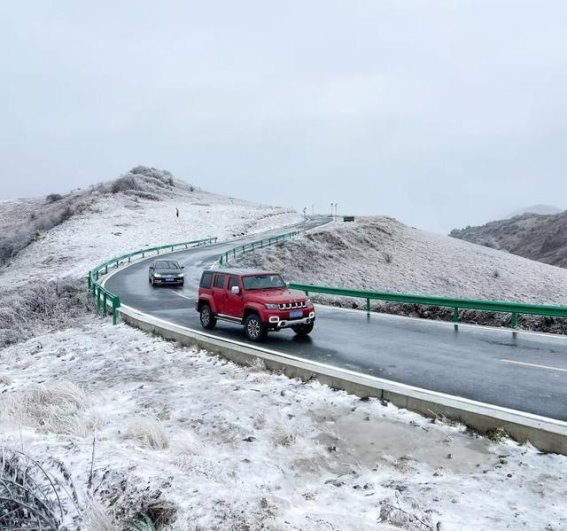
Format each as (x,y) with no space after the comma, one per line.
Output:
(233,447)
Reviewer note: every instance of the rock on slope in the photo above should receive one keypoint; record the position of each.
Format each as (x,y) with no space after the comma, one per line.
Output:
(538,237)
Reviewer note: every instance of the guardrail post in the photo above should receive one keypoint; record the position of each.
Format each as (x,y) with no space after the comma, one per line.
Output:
(514,320)
(104,303)
(106,269)
(115,304)
(368,306)
(456,317)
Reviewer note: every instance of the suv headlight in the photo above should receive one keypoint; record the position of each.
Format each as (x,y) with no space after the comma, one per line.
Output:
(307,302)
(157,275)
(272,306)
(180,275)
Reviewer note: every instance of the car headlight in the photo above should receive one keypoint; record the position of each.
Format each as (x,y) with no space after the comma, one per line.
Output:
(157,275)
(180,275)
(272,306)
(307,302)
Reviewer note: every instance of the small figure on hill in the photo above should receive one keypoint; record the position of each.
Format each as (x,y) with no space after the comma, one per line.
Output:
(176,212)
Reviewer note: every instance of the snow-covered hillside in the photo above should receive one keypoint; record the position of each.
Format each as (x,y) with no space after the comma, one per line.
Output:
(382,254)
(135,426)
(135,211)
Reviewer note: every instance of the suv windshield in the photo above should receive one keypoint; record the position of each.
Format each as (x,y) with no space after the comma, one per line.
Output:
(263,282)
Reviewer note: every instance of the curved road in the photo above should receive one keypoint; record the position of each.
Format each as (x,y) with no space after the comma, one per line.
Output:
(523,371)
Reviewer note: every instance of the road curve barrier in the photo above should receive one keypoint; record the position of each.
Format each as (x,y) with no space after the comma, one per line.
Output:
(107,302)
(254,246)
(513,308)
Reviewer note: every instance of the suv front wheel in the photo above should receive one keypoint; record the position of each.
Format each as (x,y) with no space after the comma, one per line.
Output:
(208,320)
(255,329)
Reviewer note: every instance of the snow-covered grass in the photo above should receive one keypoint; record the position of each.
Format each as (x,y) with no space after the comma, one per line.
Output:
(238,448)
(143,428)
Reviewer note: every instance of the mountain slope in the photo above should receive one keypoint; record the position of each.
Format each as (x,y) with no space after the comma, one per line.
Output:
(382,254)
(67,235)
(537,237)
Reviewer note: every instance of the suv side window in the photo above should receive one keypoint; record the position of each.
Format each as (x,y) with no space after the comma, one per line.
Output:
(232,281)
(206,280)
(219,281)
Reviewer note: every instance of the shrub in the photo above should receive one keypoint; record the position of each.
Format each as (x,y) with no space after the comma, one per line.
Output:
(52,198)
(33,497)
(51,305)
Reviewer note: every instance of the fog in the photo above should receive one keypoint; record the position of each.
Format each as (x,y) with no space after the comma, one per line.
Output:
(441,114)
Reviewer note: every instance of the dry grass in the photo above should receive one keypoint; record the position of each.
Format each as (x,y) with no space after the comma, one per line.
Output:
(148,432)
(58,408)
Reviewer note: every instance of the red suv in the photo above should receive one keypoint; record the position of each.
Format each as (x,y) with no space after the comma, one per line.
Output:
(261,301)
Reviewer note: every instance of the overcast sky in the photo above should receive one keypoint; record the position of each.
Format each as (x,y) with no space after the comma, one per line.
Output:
(440,113)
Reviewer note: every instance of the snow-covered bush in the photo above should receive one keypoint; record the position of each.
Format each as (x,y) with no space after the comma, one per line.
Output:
(148,432)
(57,408)
(39,307)
(47,216)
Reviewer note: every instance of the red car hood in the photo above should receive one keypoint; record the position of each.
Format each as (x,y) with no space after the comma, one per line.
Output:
(275,296)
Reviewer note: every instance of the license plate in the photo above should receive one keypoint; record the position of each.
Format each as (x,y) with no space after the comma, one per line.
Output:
(295,313)
(169,278)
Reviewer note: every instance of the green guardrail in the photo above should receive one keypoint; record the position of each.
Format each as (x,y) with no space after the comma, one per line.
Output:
(104,298)
(513,308)
(254,246)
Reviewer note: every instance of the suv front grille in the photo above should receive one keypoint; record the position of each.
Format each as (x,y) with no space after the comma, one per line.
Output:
(292,305)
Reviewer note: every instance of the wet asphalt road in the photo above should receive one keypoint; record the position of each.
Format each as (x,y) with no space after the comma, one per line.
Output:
(522,371)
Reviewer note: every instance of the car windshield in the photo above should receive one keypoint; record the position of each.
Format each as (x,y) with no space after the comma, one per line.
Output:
(166,264)
(263,282)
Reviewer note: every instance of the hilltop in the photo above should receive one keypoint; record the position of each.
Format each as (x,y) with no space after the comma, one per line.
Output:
(65,235)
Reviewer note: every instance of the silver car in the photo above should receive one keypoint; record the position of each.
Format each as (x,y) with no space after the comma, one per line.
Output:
(166,272)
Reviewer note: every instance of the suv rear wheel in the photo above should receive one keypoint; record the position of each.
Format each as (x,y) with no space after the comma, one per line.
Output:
(255,329)
(303,330)
(208,320)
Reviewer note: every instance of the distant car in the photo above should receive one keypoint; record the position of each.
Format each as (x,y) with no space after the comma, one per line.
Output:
(166,272)
(259,300)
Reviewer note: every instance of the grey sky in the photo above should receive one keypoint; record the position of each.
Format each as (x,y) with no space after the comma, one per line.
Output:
(440,113)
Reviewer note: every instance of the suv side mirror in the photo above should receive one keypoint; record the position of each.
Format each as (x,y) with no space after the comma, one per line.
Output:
(235,290)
